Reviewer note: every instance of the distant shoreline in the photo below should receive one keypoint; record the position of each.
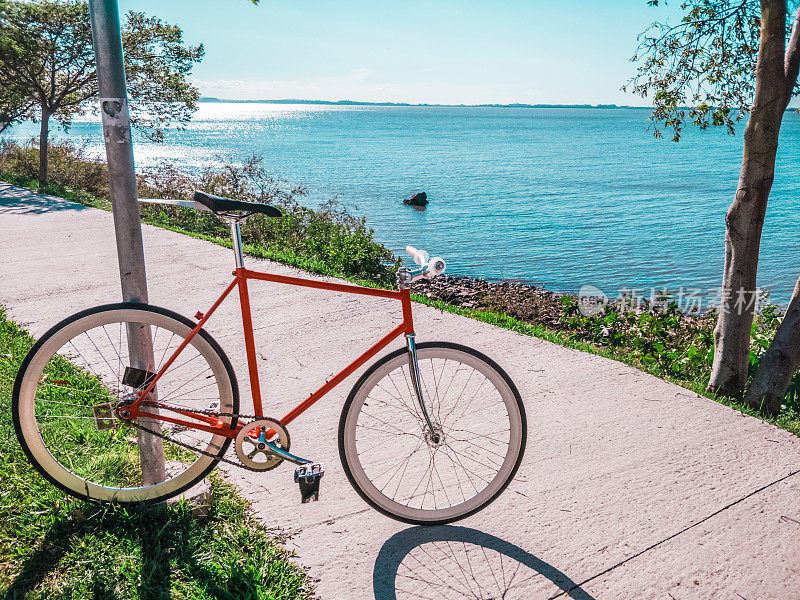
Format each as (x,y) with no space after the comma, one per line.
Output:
(208,99)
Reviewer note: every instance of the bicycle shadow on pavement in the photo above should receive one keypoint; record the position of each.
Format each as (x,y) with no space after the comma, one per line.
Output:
(456,562)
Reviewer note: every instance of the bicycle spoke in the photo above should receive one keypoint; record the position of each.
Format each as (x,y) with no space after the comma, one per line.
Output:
(63,417)
(71,389)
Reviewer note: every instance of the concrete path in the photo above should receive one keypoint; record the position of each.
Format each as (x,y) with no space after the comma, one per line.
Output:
(631,488)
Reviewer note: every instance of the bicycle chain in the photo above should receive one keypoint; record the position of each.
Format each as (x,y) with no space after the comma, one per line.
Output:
(211,413)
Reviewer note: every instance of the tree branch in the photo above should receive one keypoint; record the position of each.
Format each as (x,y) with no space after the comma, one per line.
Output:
(29,79)
(74,84)
(81,99)
(52,80)
(8,119)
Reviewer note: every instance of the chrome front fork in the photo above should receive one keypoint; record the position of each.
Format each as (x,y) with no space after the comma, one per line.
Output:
(433,432)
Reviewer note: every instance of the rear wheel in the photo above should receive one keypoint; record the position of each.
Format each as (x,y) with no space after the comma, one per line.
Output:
(74,377)
(402,470)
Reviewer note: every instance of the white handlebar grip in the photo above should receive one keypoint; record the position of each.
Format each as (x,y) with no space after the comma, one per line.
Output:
(436,266)
(420,256)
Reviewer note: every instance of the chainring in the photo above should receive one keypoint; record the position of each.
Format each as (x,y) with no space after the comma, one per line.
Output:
(251,447)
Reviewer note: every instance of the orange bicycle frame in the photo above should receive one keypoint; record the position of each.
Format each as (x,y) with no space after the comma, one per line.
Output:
(213,425)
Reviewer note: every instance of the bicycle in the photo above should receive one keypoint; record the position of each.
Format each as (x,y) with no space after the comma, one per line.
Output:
(429,434)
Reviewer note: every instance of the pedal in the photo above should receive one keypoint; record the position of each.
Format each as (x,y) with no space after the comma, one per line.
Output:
(307,476)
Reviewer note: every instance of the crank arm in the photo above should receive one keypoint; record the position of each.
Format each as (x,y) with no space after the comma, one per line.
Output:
(273,449)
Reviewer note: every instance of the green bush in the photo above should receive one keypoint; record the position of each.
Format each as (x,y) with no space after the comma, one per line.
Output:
(69,166)
(679,345)
(328,235)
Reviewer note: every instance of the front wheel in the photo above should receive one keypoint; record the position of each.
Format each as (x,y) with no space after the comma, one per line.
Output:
(394,462)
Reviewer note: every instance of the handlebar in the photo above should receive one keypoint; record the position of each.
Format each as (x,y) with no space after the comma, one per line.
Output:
(420,256)
(428,267)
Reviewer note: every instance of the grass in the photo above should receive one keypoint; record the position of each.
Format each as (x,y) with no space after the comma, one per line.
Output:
(56,547)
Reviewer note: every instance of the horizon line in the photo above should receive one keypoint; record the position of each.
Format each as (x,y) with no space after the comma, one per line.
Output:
(211,99)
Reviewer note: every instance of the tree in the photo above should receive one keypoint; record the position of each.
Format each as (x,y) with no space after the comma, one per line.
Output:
(47,68)
(728,59)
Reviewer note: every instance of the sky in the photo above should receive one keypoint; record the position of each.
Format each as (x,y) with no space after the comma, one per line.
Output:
(417,51)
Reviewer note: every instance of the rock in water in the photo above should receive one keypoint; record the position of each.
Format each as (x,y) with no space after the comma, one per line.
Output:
(420,199)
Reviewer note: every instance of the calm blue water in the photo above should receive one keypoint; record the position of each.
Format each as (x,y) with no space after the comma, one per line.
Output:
(557,197)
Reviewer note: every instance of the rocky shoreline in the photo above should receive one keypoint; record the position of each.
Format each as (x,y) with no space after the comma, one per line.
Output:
(522,301)
(526,302)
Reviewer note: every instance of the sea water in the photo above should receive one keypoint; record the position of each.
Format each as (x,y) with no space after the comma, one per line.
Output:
(560,197)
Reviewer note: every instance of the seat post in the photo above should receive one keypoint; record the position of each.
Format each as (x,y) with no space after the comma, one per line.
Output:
(236,234)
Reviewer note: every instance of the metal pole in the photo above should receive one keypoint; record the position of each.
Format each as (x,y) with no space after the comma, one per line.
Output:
(107,40)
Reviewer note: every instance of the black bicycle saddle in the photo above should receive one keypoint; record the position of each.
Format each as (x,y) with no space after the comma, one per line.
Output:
(219,204)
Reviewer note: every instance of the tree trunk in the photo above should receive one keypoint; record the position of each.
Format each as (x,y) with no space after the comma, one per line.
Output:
(43,145)
(745,217)
(779,363)
(782,360)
